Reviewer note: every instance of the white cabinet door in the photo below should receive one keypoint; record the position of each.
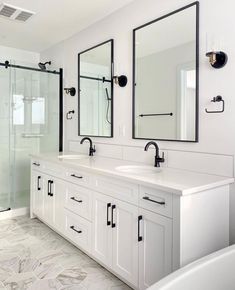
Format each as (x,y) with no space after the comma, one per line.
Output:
(102,233)
(125,240)
(59,191)
(155,249)
(49,200)
(54,189)
(37,196)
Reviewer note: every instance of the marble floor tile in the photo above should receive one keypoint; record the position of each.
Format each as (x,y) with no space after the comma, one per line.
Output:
(48,271)
(45,284)
(21,281)
(9,261)
(34,257)
(72,276)
(5,273)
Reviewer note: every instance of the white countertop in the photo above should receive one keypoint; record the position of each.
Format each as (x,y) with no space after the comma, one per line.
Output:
(176,181)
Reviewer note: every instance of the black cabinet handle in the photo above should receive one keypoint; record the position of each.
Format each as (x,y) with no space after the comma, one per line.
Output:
(152,200)
(108,221)
(49,192)
(139,237)
(76,176)
(51,182)
(77,200)
(73,228)
(49,187)
(113,224)
(36,164)
(39,177)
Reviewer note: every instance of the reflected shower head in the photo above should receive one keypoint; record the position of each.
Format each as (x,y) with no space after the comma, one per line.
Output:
(42,66)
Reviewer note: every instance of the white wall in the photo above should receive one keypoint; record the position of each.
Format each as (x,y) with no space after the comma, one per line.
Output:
(18,55)
(216,148)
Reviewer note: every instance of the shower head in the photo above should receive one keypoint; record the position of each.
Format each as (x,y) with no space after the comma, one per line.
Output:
(42,66)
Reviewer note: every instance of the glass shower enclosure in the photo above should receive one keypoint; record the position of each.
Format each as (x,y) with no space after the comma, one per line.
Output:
(30,122)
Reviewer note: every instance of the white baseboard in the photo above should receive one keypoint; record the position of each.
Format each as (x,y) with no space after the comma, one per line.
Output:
(14,213)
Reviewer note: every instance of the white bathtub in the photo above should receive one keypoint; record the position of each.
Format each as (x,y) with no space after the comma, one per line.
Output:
(213,272)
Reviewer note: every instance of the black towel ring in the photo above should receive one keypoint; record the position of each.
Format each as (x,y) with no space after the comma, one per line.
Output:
(217,99)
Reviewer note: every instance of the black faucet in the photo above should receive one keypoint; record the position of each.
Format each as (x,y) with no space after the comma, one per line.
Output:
(91,149)
(158,159)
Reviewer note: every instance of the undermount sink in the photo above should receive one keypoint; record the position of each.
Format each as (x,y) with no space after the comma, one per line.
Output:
(138,169)
(72,156)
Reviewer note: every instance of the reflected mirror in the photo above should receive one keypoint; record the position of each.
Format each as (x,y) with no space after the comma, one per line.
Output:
(165,85)
(95,84)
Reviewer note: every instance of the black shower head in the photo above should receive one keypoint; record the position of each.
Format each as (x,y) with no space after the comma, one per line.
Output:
(42,66)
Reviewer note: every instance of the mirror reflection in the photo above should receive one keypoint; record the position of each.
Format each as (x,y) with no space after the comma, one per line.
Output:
(165,78)
(96,91)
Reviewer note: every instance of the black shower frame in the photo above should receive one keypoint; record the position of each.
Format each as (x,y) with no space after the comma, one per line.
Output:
(7,64)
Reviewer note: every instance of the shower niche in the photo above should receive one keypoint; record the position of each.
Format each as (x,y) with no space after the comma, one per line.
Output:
(95,91)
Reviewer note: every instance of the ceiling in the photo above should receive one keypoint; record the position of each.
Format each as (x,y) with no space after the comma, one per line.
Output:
(54,21)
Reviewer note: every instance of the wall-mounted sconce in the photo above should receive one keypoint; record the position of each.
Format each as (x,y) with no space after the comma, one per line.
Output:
(68,115)
(217,59)
(120,80)
(215,100)
(71,91)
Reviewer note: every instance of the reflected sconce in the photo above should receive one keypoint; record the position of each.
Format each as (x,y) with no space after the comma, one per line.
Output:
(71,91)
(217,59)
(120,80)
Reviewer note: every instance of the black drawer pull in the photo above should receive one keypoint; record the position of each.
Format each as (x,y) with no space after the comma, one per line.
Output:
(77,200)
(152,200)
(36,164)
(73,228)
(139,237)
(39,177)
(108,221)
(76,176)
(113,224)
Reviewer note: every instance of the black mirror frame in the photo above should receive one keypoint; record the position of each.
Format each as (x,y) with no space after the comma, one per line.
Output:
(111,80)
(197,74)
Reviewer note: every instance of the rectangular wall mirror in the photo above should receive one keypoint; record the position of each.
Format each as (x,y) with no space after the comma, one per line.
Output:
(95,84)
(165,77)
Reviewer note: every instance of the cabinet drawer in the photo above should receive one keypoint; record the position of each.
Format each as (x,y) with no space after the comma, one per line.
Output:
(48,168)
(78,200)
(119,189)
(54,169)
(78,230)
(156,200)
(78,177)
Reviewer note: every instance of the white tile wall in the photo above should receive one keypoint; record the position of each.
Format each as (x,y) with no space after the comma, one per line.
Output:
(202,162)
(198,162)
